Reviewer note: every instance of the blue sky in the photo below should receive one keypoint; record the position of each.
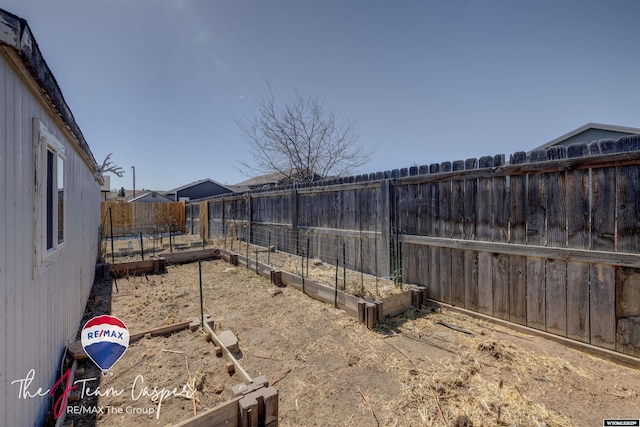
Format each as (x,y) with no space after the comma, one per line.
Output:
(159,82)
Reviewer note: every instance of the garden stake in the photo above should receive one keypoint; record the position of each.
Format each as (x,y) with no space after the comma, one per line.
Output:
(141,247)
(307,257)
(201,302)
(256,260)
(302,272)
(361,259)
(361,269)
(335,291)
(344,266)
(269,249)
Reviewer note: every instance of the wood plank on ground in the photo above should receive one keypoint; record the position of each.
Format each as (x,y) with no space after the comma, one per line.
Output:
(224,414)
(191,256)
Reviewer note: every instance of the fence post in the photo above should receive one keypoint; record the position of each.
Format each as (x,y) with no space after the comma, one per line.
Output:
(294,215)
(383,213)
(201,301)
(307,257)
(335,291)
(111,231)
(361,253)
(375,250)
(249,214)
(344,266)
(141,247)
(302,271)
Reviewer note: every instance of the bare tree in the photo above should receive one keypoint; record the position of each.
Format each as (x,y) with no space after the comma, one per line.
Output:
(109,166)
(300,140)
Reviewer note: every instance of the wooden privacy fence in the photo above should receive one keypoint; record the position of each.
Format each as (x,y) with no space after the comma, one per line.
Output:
(550,241)
(141,217)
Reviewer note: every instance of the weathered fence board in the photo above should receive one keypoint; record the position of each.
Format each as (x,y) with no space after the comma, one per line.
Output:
(471,280)
(578,301)
(434,253)
(518,289)
(500,285)
(602,306)
(556,297)
(536,293)
(142,217)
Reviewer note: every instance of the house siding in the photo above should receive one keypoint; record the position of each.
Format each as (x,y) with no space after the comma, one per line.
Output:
(40,308)
(201,190)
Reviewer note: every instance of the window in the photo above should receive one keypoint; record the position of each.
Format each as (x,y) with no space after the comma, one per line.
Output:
(55,198)
(49,206)
(54,215)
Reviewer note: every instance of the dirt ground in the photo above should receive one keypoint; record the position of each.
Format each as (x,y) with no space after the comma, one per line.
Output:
(331,371)
(353,282)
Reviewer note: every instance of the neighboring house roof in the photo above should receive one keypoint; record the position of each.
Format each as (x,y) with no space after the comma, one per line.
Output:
(150,196)
(590,132)
(20,46)
(236,188)
(269,180)
(192,184)
(262,180)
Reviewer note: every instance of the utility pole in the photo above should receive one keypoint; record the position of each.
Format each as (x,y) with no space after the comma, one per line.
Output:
(134,180)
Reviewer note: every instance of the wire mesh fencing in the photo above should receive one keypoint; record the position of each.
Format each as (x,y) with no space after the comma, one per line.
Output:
(146,244)
(351,263)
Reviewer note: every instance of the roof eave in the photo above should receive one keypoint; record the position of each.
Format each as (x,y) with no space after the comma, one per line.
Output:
(583,128)
(16,37)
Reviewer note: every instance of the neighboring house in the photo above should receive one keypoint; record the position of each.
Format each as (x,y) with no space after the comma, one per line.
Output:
(150,196)
(49,220)
(590,132)
(105,189)
(197,190)
(268,180)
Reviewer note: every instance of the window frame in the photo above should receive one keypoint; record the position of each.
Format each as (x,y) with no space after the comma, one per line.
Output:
(49,240)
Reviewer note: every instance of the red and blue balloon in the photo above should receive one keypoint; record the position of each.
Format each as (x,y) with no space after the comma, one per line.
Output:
(105,339)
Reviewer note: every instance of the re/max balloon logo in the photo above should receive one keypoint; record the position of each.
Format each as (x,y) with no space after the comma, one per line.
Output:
(105,339)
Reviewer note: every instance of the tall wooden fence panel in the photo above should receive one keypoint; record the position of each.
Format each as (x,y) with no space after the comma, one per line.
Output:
(550,241)
(142,217)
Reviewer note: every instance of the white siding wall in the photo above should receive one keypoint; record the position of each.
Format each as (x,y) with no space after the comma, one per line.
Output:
(38,315)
